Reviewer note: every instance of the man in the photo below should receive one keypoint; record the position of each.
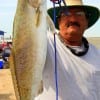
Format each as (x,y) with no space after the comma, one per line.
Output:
(73,73)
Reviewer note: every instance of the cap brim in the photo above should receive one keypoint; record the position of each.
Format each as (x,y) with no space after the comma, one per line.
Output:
(93,13)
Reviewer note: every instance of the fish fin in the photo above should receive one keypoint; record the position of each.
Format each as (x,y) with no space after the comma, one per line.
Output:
(38,14)
(40,88)
(50,24)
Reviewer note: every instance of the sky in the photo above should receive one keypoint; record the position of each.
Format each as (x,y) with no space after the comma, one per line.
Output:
(8,9)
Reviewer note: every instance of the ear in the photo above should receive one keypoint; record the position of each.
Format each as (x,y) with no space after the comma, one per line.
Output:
(87,22)
(58,20)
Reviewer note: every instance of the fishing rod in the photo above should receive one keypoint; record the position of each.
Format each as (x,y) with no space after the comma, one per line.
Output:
(56,2)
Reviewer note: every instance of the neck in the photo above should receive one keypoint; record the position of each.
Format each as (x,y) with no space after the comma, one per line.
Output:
(70,42)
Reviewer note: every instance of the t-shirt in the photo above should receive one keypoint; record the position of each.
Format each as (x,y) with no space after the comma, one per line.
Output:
(78,78)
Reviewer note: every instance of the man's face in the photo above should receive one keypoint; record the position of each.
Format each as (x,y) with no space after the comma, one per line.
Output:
(72,23)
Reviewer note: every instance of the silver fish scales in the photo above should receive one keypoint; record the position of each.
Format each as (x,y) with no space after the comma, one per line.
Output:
(29,47)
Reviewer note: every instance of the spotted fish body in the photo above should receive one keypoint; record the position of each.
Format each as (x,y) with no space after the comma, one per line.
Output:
(29,48)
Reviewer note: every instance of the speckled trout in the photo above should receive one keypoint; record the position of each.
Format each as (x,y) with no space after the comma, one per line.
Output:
(29,47)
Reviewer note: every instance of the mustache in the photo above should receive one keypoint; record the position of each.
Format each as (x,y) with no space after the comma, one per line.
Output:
(73,23)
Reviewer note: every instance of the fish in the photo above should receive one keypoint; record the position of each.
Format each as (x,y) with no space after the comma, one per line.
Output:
(29,47)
